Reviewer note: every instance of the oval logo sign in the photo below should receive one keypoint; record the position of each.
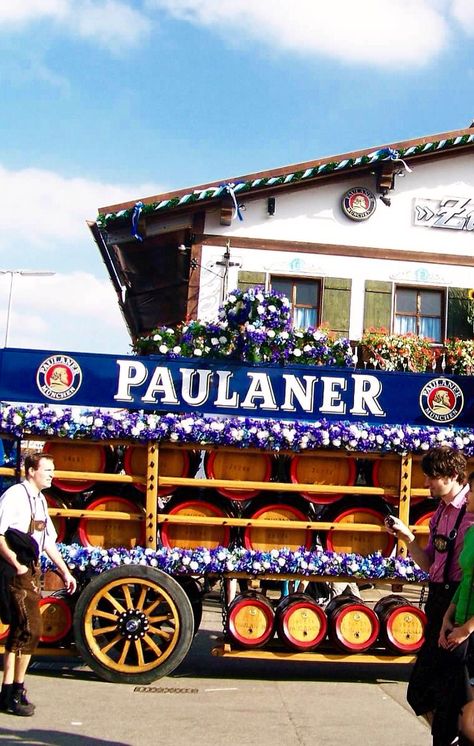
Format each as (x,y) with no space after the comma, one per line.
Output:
(59,377)
(359,203)
(441,400)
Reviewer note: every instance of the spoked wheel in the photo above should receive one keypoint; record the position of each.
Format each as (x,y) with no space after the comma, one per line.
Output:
(133,624)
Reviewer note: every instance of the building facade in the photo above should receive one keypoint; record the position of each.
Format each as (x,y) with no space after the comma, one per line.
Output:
(376,238)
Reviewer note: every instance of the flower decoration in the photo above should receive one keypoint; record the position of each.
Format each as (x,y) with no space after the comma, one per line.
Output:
(257,307)
(243,432)
(459,356)
(398,351)
(86,562)
(319,347)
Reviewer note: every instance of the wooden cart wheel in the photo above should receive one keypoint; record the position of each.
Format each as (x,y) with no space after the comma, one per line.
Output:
(133,624)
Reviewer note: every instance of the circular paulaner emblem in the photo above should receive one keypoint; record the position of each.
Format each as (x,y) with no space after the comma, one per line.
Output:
(359,203)
(59,377)
(441,400)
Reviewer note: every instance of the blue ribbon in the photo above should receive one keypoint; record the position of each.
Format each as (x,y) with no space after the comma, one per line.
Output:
(394,155)
(229,187)
(135,218)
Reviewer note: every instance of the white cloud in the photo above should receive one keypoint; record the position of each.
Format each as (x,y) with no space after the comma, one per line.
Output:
(112,24)
(463,11)
(44,228)
(383,33)
(69,312)
(41,207)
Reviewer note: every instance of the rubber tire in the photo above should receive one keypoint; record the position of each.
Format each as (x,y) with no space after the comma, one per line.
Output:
(194,593)
(178,597)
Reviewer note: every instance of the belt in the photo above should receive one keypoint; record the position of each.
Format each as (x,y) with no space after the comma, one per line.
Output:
(442,586)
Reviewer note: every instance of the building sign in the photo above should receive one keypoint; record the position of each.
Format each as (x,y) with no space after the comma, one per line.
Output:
(358,203)
(228,388)
(455,213)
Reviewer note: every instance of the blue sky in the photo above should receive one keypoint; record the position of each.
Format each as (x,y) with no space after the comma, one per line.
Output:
(111,100)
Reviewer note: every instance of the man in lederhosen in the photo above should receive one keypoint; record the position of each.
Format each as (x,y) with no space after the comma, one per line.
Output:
(445,476)
(26,530)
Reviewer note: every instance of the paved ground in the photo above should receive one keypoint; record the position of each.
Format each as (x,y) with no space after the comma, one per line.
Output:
(219,701)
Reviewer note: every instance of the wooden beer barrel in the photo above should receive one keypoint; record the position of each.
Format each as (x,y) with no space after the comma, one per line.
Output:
(52,581)
(172,462)
(360,542)
(112,533)
(76,456)
(300,622)
(4,630)
(241,467)
(58,521)
(191,536)
(402,624)
(386,473)
(56,619)
(250,620)
(316,468)
(263,538)
(353,626)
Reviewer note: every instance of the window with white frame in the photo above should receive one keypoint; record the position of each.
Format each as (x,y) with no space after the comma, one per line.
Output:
(420,311)
(305,298)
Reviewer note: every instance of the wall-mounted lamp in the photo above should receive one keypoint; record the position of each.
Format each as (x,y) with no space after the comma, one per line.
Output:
(271,204)
(182,248)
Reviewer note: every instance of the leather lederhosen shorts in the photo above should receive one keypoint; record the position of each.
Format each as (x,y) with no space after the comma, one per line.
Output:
(25,625)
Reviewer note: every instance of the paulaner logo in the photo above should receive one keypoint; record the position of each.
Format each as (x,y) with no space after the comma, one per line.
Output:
(59,377)
(441,400)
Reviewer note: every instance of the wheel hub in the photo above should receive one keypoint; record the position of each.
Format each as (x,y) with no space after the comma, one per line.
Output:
(133,624)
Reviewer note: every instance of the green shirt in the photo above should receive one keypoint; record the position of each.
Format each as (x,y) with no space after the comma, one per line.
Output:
(464,596)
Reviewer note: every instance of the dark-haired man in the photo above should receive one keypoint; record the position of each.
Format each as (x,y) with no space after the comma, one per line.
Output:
(445,476)
(26,530)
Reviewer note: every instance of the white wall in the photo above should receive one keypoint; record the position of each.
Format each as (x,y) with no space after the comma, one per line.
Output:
(314,215)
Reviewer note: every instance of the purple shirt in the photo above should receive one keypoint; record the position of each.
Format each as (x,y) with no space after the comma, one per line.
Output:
(447,515)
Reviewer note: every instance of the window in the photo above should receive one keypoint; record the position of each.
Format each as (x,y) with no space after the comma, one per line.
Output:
(304,296)
(420,311)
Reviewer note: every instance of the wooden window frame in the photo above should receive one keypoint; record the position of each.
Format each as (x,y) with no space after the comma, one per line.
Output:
(419,289)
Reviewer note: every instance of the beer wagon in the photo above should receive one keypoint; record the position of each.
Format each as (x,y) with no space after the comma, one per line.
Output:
(176,475)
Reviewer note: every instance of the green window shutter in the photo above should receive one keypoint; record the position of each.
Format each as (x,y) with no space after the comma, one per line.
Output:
(458,306)
(378,304)
(336,306)
(250,280)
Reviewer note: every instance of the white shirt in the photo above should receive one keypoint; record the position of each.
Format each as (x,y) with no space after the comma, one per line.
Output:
(17,505)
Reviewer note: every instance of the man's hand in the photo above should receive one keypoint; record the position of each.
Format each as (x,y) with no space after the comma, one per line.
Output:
(456,637)
(396,527)
(70,582)
(446,629)
(21,569)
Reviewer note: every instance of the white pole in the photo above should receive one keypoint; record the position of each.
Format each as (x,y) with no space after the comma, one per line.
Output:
(9,308)
(25,273)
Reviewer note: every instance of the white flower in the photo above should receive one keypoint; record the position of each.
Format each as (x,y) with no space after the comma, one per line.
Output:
(163,349)
(297,353)
(270,333)
(223,340)
(197,352)
(177,349)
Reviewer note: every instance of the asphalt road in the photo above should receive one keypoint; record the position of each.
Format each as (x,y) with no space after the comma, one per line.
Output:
(219,701)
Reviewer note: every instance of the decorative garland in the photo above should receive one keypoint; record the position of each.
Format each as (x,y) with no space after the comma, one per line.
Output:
(85,562)
(242,432)
(253,326)
(200,195)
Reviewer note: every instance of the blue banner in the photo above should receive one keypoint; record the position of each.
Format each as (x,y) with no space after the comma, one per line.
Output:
(228,388)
